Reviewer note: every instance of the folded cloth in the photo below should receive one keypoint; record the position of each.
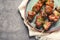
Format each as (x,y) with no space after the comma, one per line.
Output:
(38,35)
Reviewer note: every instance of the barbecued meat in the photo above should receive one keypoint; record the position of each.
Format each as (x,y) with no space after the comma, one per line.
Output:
(37,6)
(47,25)
(50,3)
(53,18)
(31,15)
(43,1)
(39,20)
(46,16)
(49,6)
(48,9)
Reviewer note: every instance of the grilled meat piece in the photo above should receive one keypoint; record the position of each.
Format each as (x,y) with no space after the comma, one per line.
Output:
(48,9)
(31,15)
(37,6)
(50,3)
(47,25)
(53,18)
(39,20)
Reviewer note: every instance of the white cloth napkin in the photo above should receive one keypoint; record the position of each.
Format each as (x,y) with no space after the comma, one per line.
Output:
(38,35)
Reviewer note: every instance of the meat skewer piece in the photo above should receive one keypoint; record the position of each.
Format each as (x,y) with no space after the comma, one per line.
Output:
(47,25)
(53,18)
(50,3)
(49,6)
(48,9)
(31,15)
(37,6)
(58,9)
(39,21)
(56,15)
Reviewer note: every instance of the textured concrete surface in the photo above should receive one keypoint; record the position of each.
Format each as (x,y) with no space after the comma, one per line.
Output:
(11,24)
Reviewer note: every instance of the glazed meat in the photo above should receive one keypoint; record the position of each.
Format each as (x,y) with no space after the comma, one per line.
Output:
(50,3)
(31,15)
(46,16)
(48,9)
(53,18)
(39,21)
(37,6)
(47,25)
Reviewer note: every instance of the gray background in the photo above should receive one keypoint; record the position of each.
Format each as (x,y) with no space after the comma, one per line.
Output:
(11,24)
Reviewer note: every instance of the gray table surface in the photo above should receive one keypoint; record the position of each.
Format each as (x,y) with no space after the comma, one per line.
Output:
(11,24)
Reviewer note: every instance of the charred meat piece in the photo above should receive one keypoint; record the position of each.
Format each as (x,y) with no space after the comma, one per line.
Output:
(31,15)
(53,18)
(39,21)
(48,9)
(47,25)
(37,6)
(50,3)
